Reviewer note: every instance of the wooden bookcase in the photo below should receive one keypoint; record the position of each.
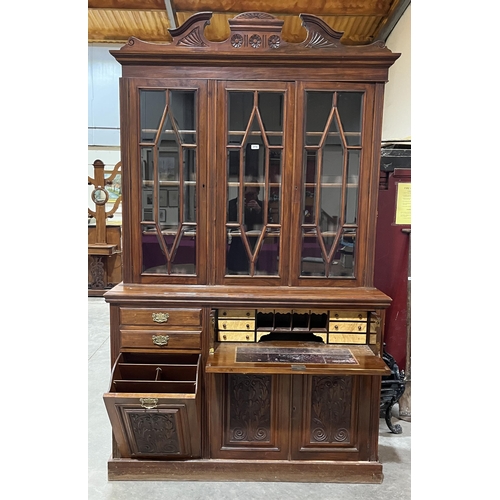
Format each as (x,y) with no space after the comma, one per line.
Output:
(250,181)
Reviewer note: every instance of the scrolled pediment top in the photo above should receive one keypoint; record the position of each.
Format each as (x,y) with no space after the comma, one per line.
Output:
(191,33)
(250,33)
(319,34)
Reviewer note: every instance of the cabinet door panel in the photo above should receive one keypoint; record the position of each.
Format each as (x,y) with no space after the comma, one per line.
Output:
(324,417)
(256,153)
(169,430)
(334,168)
(166,158)
(251,416)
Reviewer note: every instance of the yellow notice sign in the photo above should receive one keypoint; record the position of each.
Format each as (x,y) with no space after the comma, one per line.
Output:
(403,203)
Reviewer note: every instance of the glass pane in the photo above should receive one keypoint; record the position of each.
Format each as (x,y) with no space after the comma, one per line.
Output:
(350,108)
(237,261)
(184,259)
(254,183)
(347,253)
(240,105)
(169,208)
(318,107)
(327,244)
(255,154)
(351,208)
(330,215)
(147,163)
(169,188)
(271,112)
(233,165)
(309,205)
(189,163)
(182,109)
(152,104)
(268,258)
(333,156)
(190,203)
(168,165)
(312,263)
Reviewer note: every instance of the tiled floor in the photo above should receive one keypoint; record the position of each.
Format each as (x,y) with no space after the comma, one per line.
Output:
(394,450)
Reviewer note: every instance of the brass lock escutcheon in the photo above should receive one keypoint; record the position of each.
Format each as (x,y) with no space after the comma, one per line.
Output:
(160,340)
(149,403)
(160,317)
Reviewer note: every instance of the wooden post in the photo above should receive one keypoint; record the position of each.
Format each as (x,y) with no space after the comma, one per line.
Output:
(405,399)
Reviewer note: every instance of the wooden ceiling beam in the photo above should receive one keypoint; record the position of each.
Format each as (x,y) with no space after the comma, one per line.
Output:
(127,4)
(291,7)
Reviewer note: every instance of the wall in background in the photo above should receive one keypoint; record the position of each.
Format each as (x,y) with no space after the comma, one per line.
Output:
(397,104)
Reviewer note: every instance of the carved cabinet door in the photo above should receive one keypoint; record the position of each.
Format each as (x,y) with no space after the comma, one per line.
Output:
(331,417)
(154,427)
(250,417)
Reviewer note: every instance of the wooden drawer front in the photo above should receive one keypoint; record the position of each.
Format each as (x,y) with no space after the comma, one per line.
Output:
(236,313)
(348,316)
(236,336)
(237,324)
(160,317)
(153,405)
(162,340)
(346,338)
(345,326)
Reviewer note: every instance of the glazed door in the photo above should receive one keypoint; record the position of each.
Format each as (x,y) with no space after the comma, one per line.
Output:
(166,162)
(254,155)
(334,172)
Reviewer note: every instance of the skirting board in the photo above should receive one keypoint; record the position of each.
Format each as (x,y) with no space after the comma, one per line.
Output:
(124,469)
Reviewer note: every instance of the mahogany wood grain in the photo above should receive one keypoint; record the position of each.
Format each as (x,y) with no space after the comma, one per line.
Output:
(249,421)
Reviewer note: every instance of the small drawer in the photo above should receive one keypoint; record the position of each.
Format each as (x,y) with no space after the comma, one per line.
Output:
(348,315)
(136,339)
(236,337)
(236,324)
(345,326)
(346,338)
(236,313)
(160,316)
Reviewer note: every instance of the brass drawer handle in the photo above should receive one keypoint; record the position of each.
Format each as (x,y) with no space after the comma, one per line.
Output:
(160,317)
(248,326)
(149,403)
(336,327)
(224,337)
(160,340)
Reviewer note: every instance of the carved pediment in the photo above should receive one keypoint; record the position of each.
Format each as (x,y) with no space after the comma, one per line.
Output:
(252,31)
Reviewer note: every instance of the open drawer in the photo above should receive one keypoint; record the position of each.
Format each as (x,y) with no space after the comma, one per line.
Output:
(153,404)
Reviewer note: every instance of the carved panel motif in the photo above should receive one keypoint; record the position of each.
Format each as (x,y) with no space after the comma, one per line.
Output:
(250,407)
(155,433)
(193,39)
(330,409)
(97,272)
(237,41)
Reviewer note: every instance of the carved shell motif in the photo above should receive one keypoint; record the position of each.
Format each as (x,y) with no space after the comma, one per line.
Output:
(193,39)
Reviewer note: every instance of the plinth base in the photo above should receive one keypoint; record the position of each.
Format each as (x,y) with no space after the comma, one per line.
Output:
(255,470)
